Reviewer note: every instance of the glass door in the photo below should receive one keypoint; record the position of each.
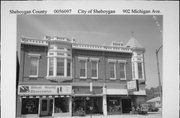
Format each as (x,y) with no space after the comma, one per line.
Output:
(46,107)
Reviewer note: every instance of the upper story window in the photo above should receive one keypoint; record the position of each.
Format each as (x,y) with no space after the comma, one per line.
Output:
(51,66)
(122,70)
(83,68)
(60,67)
(68,67)
(140,70)
(59,63)
(34,64)
(112,69)
(94,69)
(133,70)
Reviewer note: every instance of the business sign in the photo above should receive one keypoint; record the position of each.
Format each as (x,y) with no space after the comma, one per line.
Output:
(132,86)
(44,89)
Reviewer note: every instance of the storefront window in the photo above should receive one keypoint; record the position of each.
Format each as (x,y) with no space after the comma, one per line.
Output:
(30,105)
(114,105)
(61,105)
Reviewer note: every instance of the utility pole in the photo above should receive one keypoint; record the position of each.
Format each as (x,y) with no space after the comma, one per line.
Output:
(160,87)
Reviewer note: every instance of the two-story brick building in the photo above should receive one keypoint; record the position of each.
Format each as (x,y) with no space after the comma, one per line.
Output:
(60,77)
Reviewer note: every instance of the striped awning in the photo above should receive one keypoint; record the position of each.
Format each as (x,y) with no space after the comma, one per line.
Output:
(46,96)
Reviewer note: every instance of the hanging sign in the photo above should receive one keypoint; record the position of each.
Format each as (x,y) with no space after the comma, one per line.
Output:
(132,86)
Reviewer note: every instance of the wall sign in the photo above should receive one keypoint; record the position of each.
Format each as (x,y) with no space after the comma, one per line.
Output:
(44,89)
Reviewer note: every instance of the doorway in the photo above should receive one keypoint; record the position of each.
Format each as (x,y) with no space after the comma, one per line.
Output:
(46,107)
(126,105)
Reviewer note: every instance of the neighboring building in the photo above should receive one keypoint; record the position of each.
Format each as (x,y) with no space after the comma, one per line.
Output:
(60,77)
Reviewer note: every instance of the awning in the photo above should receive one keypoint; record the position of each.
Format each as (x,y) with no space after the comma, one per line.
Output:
(46,96)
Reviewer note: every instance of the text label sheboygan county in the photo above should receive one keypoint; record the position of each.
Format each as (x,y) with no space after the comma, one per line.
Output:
(27,12)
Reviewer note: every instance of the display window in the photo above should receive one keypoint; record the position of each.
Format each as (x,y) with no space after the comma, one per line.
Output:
(30,105)
(61,105)
(87,105)
(114,104)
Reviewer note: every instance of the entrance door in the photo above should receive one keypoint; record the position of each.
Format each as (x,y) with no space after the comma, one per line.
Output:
(46,107)
(126,105)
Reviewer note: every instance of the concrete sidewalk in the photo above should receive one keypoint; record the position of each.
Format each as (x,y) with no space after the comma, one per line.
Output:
(149,115)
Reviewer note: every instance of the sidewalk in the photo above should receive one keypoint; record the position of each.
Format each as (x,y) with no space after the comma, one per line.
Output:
(149,115)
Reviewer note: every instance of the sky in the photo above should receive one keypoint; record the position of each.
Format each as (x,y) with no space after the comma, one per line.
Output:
(101,29)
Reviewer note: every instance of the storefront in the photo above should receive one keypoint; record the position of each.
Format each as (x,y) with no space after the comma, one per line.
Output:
(44,100)
(118,100)
(117,104)
(86,101)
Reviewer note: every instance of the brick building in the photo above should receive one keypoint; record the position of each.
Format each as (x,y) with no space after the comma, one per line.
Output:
(60,77)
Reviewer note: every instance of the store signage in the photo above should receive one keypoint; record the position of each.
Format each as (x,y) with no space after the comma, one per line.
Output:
(132,86)
(44,89)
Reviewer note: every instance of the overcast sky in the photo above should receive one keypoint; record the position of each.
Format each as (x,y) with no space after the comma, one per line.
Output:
(100,29)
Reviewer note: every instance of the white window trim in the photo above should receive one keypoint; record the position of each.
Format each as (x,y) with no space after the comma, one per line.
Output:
(38,56)
(124,69)
(97,65)
(114,69)
(55,67)
(83,59)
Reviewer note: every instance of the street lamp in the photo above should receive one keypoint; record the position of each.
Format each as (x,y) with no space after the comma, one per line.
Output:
(160,88)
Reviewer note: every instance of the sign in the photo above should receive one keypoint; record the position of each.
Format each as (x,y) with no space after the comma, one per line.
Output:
(133,85)
(44,89)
